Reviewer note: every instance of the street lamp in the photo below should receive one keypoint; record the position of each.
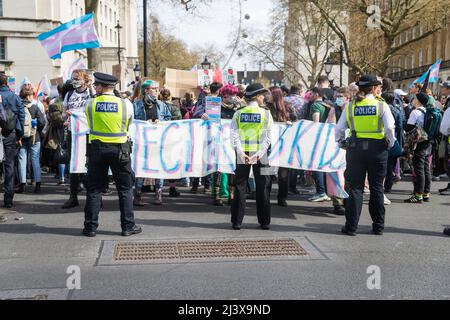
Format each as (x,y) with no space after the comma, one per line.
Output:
(119,27)
(206,65)
(137,70)
(328,65)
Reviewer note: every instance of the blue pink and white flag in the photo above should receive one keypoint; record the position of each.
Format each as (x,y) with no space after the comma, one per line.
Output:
(42,87)
(434,74)
(77,34)
(76,65)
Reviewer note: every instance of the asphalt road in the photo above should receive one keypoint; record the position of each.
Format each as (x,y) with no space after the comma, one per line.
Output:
(413,256)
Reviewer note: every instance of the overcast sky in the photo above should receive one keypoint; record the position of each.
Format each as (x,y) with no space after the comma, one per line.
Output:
(215,24)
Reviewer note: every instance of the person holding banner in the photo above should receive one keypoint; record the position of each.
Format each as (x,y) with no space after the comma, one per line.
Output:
(372,128)
(75,100)
(445,130)
(109,146)
(251,139)
(150,109)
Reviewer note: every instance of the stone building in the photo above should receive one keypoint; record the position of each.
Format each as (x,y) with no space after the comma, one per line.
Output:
(21,54)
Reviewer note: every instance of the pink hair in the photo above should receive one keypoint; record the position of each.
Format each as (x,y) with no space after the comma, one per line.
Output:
(229,90)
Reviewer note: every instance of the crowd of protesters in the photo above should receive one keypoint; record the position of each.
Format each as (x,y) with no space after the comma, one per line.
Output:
(36,136)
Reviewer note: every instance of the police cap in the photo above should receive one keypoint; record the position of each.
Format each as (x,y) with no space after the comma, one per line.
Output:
(254,89)
(105,79)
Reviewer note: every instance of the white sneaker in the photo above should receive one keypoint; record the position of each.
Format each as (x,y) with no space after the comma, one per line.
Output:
(319,198)
(386,201)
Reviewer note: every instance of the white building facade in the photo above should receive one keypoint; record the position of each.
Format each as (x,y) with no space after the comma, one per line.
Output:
(21,21)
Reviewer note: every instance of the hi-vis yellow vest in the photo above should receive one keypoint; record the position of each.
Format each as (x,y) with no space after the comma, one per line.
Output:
(107,119)
(365,118)
(251,121)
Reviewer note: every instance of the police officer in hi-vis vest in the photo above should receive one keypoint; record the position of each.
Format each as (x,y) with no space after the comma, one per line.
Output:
(367,142)
(108,119)
(250,134)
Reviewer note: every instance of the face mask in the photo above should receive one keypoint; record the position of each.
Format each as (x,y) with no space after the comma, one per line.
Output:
(340,101)
(77,84)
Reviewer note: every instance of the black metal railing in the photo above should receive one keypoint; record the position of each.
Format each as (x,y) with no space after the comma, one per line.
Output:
(416,72)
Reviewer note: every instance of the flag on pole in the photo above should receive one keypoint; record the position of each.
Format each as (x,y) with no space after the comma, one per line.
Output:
(76,65)
(77,34)
(434,74)
(42,87)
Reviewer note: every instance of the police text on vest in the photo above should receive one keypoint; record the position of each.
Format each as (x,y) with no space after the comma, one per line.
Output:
(107,107)
(366,111)
(250,118)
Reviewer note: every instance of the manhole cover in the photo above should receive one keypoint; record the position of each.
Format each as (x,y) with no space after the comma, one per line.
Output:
(173,251)
(237,249)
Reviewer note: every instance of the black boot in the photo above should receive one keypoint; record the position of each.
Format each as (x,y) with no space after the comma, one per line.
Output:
(173,193)
(21,188)
(137,201)
(71,203)
(37,189)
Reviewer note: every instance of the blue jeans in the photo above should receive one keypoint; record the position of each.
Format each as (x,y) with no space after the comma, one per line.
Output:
(35,151)
(62,172)
(159,183)
(319,179)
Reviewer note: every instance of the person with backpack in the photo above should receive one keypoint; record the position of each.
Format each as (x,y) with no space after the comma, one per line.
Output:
(425,117)
(188,105)
(75,101)
(12,122)
(30,143)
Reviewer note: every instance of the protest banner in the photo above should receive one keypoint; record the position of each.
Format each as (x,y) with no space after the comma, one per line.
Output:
(196,148)
(213,106)
(229,76)
(205,77)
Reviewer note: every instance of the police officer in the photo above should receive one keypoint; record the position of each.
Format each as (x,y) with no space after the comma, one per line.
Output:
(250,134)
(372,133)
(108,119)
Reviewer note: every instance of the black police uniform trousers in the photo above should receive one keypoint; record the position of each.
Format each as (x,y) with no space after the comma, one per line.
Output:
(109,156)
(240,193)
(368,157)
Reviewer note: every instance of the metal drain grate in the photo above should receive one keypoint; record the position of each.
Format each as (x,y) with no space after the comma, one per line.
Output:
(207,250)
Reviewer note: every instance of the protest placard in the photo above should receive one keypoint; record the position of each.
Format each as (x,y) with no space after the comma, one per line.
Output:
(212,107)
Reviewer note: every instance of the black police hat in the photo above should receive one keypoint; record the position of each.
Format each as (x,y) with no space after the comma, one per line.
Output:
(254,89)
(368,80)
(105,79)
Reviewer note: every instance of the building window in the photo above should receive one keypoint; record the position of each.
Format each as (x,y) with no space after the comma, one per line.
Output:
(413,62)
(1,8)
(101,29)
(420,58)
(406,36)
(2,48)
(400,63)
(406,63)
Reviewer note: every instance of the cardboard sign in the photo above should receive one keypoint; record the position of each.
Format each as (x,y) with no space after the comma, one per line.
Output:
(205,77)
(212,108)
(179,82)
(56,81)
(229,76)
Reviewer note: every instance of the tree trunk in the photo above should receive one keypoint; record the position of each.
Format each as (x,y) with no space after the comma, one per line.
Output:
(94,56)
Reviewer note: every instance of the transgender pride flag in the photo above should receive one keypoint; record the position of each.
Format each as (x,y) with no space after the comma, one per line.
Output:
(77,34)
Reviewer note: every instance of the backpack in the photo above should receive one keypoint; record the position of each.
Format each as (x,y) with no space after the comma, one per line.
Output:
(432,122)
(27,125)
(7,117)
